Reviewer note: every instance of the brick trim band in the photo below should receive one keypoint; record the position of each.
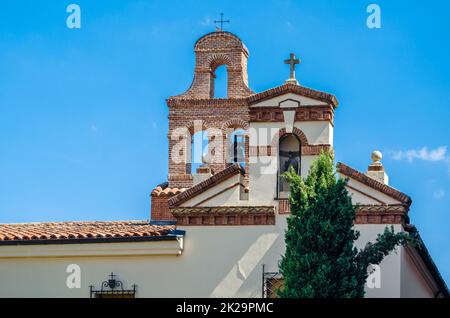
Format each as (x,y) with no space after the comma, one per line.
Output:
(368,214)
(309,150)
(259,215)
(303,113)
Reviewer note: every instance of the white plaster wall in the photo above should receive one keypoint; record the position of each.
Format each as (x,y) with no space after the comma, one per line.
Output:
(414,280)
(217,261)
(390,267)
(220,195)
(367,195)
(263,169)
(263,181)
(263,178)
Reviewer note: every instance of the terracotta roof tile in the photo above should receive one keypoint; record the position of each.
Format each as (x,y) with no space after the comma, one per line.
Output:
(80,230)
(161,191)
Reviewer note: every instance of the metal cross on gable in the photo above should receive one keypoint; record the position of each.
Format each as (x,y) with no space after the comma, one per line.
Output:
(292,61)
(221,21)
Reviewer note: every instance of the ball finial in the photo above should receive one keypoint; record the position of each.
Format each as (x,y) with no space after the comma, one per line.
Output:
(376,156)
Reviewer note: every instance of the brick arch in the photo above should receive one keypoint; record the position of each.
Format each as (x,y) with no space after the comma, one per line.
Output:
(215,60)
(191,126)
(235,123)
(297,132)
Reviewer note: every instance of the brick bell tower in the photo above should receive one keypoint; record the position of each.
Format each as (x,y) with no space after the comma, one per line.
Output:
(198,110)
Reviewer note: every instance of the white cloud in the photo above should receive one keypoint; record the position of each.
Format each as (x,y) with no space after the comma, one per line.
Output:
(439,194)
(94,128)
(438,154)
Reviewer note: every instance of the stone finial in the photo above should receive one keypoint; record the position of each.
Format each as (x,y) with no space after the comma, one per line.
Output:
(376,156)
(376,169)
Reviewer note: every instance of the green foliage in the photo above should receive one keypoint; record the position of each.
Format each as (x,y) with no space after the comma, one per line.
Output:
(321,260)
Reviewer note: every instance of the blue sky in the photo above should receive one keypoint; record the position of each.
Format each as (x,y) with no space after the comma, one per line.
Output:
(83,120)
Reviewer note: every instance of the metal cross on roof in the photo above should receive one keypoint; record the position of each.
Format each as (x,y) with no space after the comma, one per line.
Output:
(292,61)
(221,21)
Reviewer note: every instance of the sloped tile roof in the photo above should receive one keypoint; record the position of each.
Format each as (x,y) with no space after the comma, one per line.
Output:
(160,191)
(374,184)
(63,231)
(206,184)
(296,89)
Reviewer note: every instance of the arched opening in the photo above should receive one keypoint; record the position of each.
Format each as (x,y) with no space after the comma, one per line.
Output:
(236,147)
(289,151)
(219,82)
(199,150)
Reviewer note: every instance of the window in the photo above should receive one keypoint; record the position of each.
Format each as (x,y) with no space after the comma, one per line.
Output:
(288,156)
(236,147)
(199,150)
(219,82)
(273,282)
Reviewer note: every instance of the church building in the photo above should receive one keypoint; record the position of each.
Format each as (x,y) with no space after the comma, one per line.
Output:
(217,223)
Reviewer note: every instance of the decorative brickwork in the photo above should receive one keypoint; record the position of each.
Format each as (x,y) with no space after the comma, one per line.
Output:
(220,117)
(198,110)
(303,113)
(159,202)
(211,51)
(241,215)
(368,214)
(309,150)
(382,214)
(284,207)
(297,132)
(198,104)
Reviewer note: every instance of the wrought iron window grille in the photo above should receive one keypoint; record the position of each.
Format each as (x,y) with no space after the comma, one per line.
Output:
(112,288)
(271,283)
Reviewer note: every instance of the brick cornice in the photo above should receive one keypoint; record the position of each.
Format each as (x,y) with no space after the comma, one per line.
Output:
(303,113)
(180,100)
(374,184)
(206,184)
(368,214)
(232,215)
(222,210)
(382,214)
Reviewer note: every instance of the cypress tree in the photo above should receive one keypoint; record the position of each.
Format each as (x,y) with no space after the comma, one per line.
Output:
(321,260)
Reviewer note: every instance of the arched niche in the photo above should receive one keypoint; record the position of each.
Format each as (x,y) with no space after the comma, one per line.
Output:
(289,156)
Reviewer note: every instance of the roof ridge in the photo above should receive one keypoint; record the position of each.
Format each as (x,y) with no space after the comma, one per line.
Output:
(374,184)
(302,90)
(206,184)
